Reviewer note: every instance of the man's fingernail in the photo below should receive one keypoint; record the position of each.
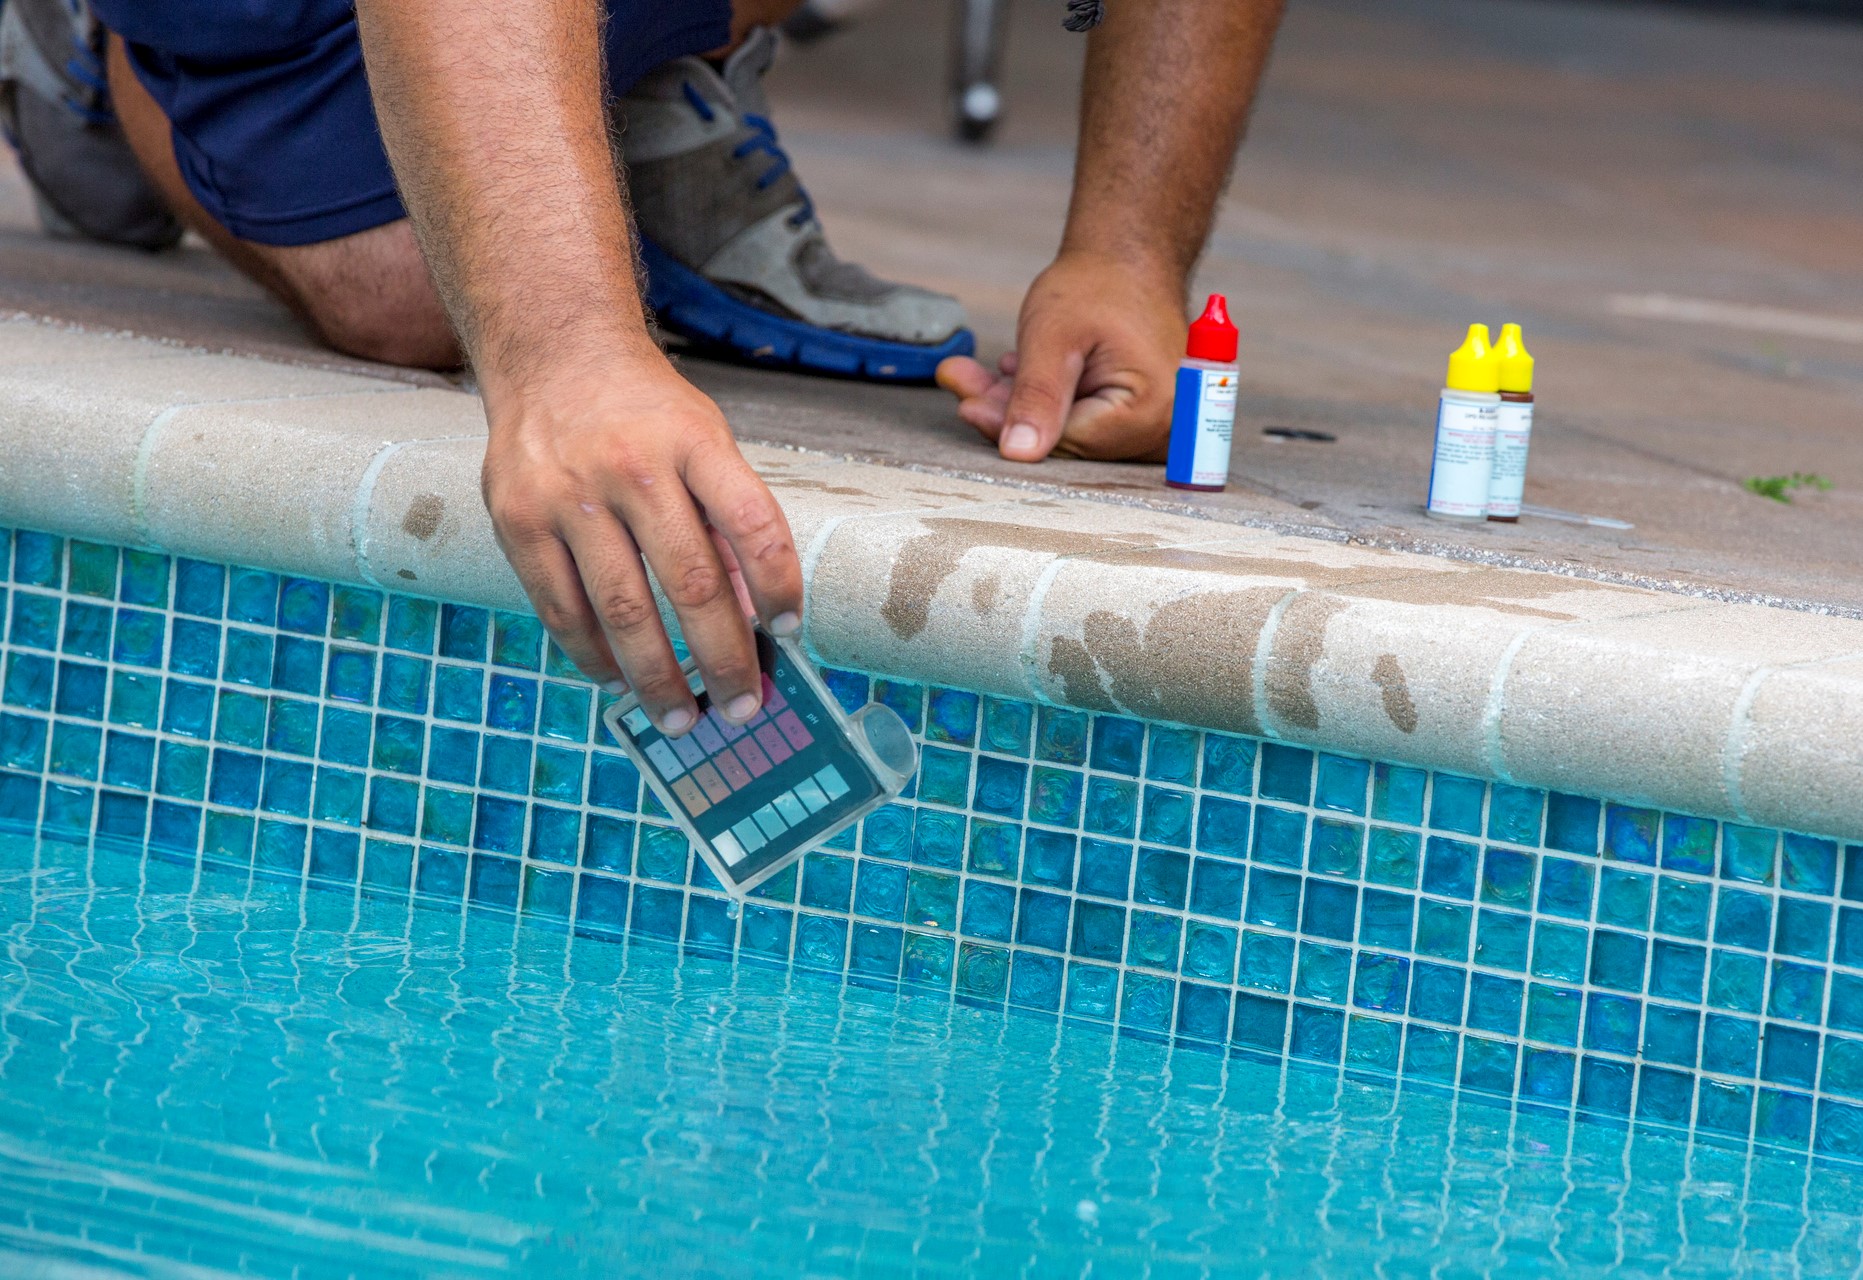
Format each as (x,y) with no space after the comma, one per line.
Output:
(1021,437)
(785,624)
(616,687)
(742,707)
(678,720)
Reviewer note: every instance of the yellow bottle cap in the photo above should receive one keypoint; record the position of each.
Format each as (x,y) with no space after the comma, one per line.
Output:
(1475,365)
(1516,362)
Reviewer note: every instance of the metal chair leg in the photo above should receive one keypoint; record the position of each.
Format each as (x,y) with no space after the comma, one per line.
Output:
(976,61)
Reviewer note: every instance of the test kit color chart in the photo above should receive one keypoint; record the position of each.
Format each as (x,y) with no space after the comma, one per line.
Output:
(1200,887)
(717,772)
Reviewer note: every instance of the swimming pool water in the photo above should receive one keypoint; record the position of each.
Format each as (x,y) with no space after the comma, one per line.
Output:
(204,1074)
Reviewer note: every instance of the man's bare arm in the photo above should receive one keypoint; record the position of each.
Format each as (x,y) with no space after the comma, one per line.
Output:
(1166,95)
(599,452)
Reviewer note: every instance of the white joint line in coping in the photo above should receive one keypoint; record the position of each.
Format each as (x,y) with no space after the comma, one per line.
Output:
(364,500)
(359,508)
(1029,657)
(811,556)
(818,547)
(1491,746)
(1031,627)
(151,434)
(1734,749)
(139,473)
(1264,653)
(1497,693)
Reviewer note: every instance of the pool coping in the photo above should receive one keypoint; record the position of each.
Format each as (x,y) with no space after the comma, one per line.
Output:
(1730,710)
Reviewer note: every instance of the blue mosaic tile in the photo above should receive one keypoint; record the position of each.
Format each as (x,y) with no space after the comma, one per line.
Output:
(1286,773)
(1336,848)
(1382,983)
(1111,807)
(1166,880)
(995,849)
(1566,888)
(1456,803)
(982,973)
(1393,857)
(138,638)
(1630,834)
(1808,864)
(951,716)
(1572,823)
(1502,939)
(1000,787)
(144,578)
(92,570)
(905,698)
(1387,919)
(1228,764)
(1223,827)
(1166,817)
(1449,867)
(1342,784)
(38,559)
(1008,726)
(1171,755)
(517,641)
(1624,898)
(1329,910)
(252,596)
(1216,888)
(200,589)
(1730,1045)
(1398,794)
(1682,907)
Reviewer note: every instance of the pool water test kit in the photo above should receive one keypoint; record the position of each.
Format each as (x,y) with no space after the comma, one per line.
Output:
(755,797)
(1203,412)
(1484,426)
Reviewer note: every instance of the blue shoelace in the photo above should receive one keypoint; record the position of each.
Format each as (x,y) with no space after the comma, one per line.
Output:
(762,140)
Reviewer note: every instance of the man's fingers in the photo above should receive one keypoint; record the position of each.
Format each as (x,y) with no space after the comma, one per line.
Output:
(659,513)
(1047,376)
(964,377)
(734,571)
(983,397)
(746,517)
(548,572)
(617,591)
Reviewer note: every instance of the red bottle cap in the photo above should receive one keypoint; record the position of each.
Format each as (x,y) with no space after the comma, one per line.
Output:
(1212,336)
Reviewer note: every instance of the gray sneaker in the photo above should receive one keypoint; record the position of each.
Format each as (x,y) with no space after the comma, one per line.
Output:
(55,110)
(735,258)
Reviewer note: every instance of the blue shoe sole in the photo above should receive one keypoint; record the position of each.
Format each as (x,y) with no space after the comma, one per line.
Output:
(686,303)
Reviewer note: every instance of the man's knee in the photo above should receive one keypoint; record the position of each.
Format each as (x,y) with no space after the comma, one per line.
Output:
(369,295)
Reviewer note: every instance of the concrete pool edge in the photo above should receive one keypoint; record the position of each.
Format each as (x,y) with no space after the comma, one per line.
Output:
(1735,711)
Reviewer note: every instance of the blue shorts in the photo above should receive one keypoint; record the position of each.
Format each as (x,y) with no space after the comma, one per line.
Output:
(274,128)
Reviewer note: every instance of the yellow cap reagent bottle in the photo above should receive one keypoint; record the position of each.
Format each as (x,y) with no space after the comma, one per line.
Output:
(1462,468)
(1514,431)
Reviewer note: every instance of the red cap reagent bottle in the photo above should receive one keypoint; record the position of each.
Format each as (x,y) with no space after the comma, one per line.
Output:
(1203,416)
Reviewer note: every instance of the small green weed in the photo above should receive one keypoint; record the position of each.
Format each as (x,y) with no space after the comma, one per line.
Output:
(1779,488)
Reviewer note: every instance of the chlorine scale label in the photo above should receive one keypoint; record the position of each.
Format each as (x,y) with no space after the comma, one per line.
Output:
(1203,420)
(1513,434)
(1463,469)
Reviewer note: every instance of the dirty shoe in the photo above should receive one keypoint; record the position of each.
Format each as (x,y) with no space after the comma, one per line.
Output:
(55,108)
(734,255)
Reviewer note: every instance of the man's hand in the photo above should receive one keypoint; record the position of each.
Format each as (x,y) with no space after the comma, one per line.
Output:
(1167,89)
(600,454)
(584,478)
(1093,370)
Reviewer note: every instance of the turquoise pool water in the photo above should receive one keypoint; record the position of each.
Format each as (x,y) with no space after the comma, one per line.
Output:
(204,1074)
